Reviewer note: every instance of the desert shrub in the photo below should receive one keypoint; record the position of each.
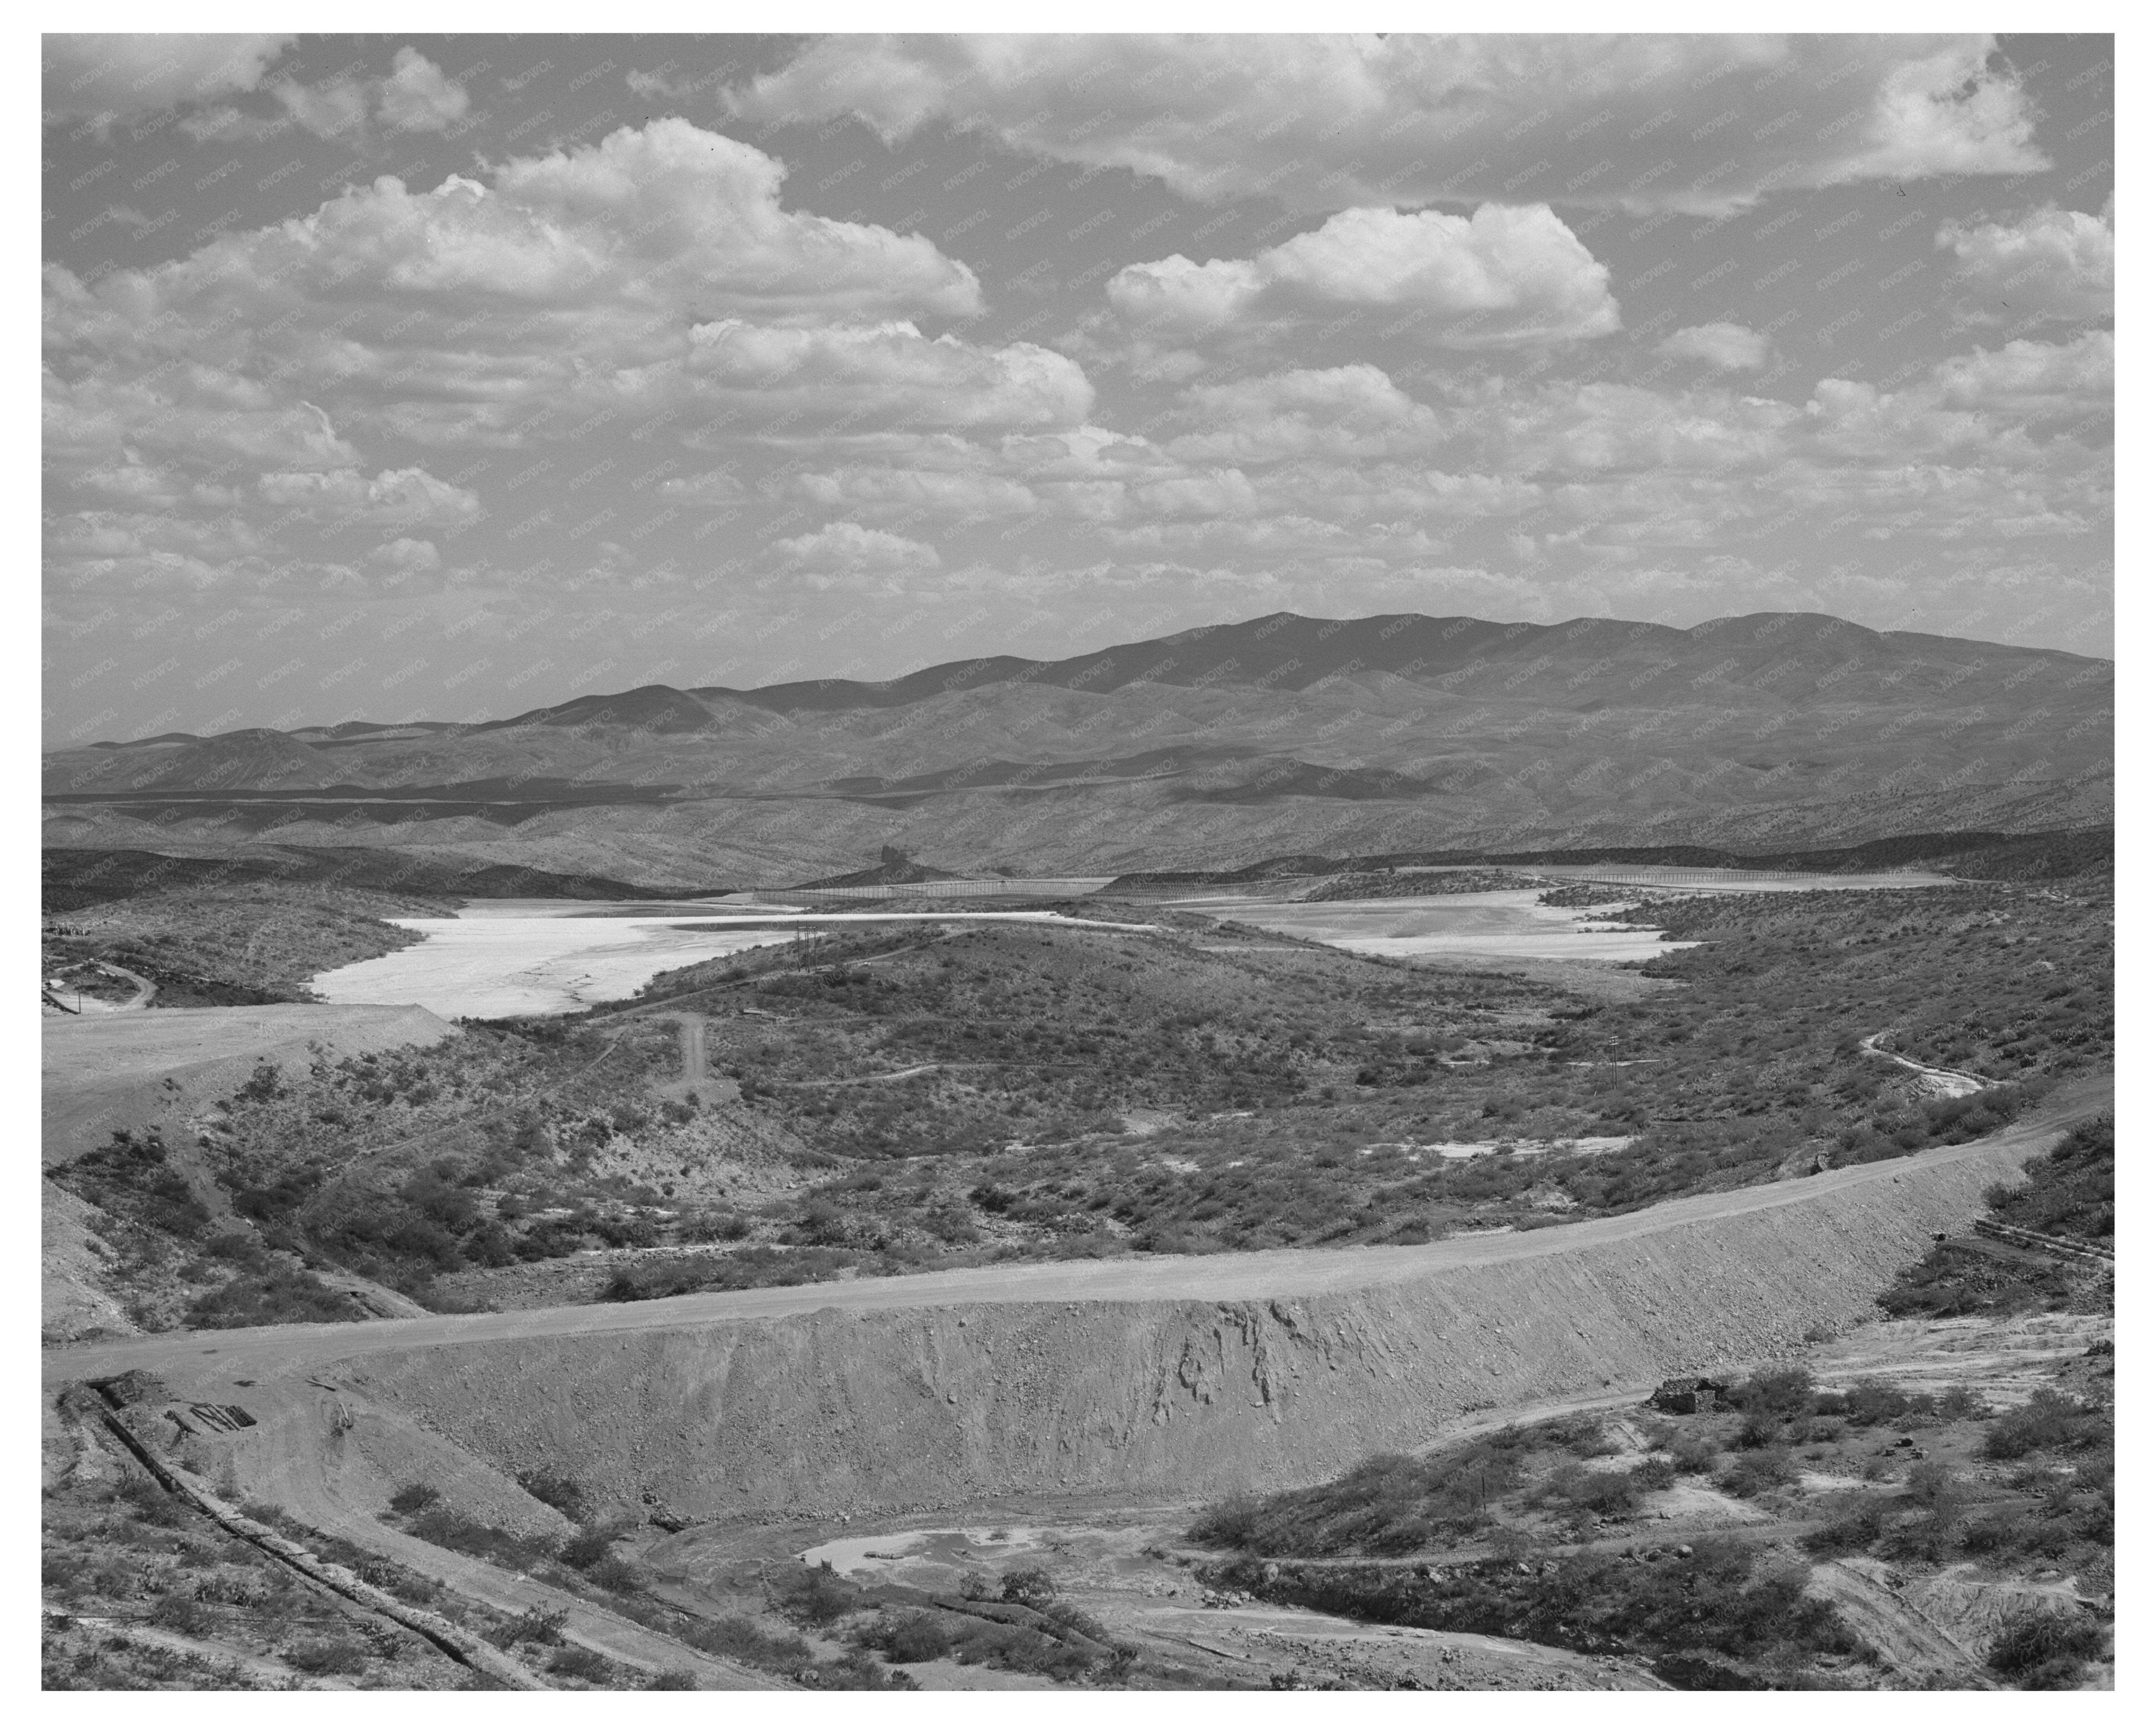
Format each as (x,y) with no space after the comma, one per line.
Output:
(151,1503)
(2049,1420)
(556,1493)
(443,1525)
(1760,1430)
(333,1656)
(1989,1534)
(737,1637)
(1028,1585)
(1590,1490)
(855,1672)
(1853,1529)
(1756,1473)
(587,1550)
(670,1682)
(582,1662)
(1232,1521)
(182,1614)
(615,1575)
(1727,1599)
(917,1638)
(814,1597)
(2045,1649)
(541,1628)
(1655,1473)
(411,1498)
(253,1299)
(1694,1452)
(1782,1393)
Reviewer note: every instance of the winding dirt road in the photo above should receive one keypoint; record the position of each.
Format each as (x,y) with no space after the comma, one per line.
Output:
(1940,1079)
(1257,1274)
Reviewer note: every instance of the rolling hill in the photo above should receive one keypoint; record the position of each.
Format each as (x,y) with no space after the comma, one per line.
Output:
(1209,749)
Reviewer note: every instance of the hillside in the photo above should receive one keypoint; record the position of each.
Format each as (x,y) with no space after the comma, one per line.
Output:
(1213,748)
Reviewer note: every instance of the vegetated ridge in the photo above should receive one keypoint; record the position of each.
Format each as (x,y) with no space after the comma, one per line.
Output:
(1385,735)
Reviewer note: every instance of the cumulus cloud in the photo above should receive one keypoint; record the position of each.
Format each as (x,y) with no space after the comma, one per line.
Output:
(1727,347)
(1348,411)
(419,96)
(415,96)
(897,490)
(108,78)
(653,278)
(401,497)
(618,277)
(2051,265)
(846,547)
(862,373)
(407,556)
(2033,380)
(1330,122)
(1504,276)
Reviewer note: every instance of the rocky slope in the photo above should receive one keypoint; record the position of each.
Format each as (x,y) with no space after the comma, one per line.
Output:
(938,1405)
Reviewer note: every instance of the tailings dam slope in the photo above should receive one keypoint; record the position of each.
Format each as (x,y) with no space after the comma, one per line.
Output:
(1196,1375)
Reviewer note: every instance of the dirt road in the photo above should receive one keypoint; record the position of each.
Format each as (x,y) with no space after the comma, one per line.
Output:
(1939,1079)
(88,1005)
(692,1051)
(1259,1275)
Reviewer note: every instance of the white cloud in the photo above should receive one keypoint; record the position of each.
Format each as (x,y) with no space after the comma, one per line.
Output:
(402,496)
(417,96)
(2032,379)
(844,548)
(98,418)
(880,373)
(113,78)
(1505,276)
(1334,121)
(1727,347)
(897,488)
(2052,264)
(1349,410)
(412,556)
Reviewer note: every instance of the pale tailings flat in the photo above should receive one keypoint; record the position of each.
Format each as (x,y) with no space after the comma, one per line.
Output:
(518,959)
(1464,924)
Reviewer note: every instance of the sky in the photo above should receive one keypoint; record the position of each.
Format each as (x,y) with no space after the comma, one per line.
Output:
(405,377)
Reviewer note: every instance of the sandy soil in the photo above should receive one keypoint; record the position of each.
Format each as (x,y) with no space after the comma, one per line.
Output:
(2003,1360)
(137,1068)
(1118,1571)
(1910,1640)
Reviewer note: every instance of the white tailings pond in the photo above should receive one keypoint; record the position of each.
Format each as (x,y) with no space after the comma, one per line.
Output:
(1465,923)
(516,957)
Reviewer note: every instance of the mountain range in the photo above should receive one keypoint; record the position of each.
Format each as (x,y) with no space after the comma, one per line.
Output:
(1208,748)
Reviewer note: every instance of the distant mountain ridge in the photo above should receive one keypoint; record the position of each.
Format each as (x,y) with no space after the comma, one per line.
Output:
(1205,748)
